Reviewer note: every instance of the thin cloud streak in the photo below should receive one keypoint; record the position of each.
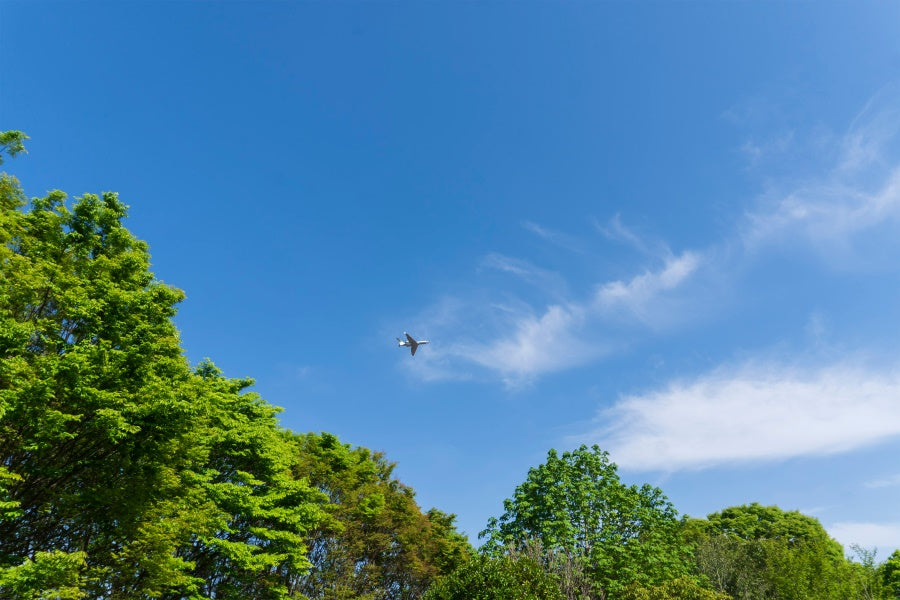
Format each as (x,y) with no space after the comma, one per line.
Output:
(617,231)
(544,280)
(886,482)
(754,413)
(636,294)
(554,237)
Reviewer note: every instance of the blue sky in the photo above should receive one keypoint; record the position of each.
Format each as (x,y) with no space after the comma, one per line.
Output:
(670,229)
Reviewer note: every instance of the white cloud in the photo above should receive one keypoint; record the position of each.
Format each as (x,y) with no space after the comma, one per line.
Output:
(757,412)
(538,345)
(826,214)
(871,131)
(758,150)
(616,231)
(858,192)
(635,294)
(545,280)
(518,267)
(566,334)
(883,536)
(885,482)
(554,237)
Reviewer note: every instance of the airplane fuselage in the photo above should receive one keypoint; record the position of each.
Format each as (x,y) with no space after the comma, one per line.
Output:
(411,342)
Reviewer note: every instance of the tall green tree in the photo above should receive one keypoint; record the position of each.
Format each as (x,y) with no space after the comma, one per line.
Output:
(123,472)
(95,428)
(257,544)
(575,504)
(376,543)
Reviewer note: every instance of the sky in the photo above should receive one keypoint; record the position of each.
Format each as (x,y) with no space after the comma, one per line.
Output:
(668,229)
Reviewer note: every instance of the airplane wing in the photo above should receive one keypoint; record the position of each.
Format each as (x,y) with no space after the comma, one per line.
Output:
(413,349)
(410,338)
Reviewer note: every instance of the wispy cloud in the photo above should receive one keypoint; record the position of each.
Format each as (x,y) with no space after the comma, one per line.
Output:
(616,231)
(758,150)
(637,293)
(539,344)
(885,482)
(872,131)
(857,192)
(521,344)
(883,536)
(543,279)
(823,215)
(751,413)
(557,238)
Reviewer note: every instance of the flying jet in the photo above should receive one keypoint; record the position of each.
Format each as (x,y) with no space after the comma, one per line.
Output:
(411,342)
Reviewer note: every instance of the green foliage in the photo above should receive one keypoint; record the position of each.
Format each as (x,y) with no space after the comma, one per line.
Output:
(50,575)
(890,574)
(94,428)
(760,552)
(683,588)
(12,143)
(756,522)
(257,545)
(376,542)
(497,578)
(164,480)
(575,504)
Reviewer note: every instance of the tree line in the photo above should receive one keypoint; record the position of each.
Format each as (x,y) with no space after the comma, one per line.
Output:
(126,472)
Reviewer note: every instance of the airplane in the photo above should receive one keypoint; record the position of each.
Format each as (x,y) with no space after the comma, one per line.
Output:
(412,343)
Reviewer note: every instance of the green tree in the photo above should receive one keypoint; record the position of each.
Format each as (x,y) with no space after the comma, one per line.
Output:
(95,428)
(12,143)
(376,542)
(256,545)
(575,504)
(55,575)
(497,578)
(890,572)
(123,472)
(682,588)
(760,552)
(755,522)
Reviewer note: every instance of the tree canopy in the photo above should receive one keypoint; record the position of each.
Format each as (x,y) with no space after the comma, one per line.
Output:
(754,551)
(575,503)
